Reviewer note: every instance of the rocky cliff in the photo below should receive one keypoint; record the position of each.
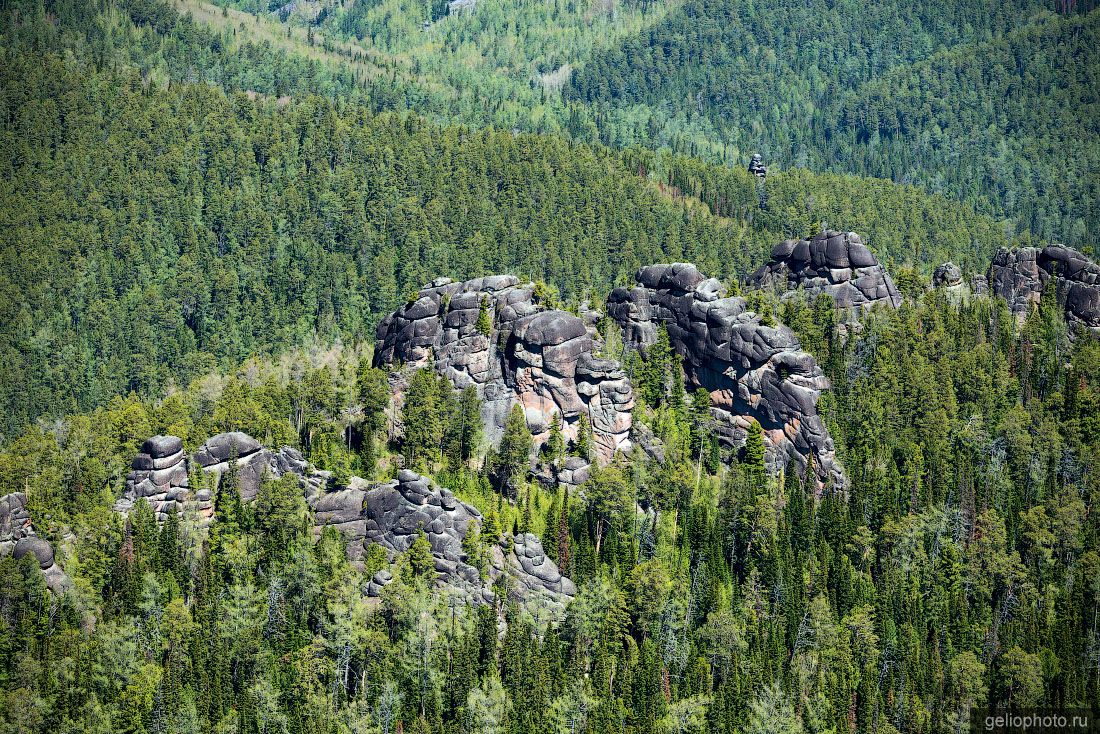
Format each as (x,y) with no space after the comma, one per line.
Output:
(752,371)
(1021,277)
(837,264)
(18,537)
(544,359)
(393,514)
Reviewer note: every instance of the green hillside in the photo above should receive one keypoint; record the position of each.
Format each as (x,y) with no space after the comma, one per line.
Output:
(994,105)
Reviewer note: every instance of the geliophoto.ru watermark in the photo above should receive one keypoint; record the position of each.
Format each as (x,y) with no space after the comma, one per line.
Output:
(1035,721)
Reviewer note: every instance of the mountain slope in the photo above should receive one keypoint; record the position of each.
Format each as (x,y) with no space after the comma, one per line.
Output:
(810,84)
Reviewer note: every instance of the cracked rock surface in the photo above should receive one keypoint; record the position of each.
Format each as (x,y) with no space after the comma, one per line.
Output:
(159,473)
(393,515)
(751,371)
(837,264)
(543,359)
(1021,276)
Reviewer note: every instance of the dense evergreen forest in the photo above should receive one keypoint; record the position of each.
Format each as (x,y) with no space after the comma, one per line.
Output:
(960,567)
(206,213)
(154,232)
(990,103)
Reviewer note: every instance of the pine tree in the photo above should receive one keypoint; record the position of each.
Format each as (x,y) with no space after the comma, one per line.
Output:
(484,322)
(514,455)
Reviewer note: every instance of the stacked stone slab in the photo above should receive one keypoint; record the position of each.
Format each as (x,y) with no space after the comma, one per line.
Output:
(1021,277)
(393,515)
(752,371)
(835,263)
(757,167)
(159,473)
(543,359)
(18,537)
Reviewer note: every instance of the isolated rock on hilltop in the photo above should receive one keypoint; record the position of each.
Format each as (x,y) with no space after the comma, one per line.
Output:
(837,264)
(1021,277)
(394,513)
(544,359)
(752,371)
(18,537)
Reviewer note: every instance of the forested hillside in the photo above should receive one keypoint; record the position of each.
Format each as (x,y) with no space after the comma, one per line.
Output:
(993,104)
(279,456)
(957,569)
(154,232)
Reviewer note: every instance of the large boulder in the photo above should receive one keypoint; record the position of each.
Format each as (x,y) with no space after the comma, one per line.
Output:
(1023,276)
(752,371)
(837,264)
(543,359)
(18,538)
(394,514)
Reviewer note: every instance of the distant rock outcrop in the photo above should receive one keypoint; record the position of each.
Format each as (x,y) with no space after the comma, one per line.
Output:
(18,537)
(752,371)
(393,515)
(835,263)
(521,352)
(1021,277)
(159,473)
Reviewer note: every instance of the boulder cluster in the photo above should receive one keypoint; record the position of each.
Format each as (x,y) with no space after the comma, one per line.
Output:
(391,514)
(751,370)
(18,537)
(493,333)
(1022,276)
(159,473)
(837,264)
(394,514)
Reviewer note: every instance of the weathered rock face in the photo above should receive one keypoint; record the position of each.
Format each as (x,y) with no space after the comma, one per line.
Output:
(17,536)
(835,263)
(159,473)
(757,167)
(947,275)
(542,359)
(393,514)
(1021,276)
(752,371)
(252,460)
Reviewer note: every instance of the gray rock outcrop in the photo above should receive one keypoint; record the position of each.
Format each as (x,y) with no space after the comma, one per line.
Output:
(543,359)
(393,515)
(835,263)
(1021,277)
(752,371)
(159,473)
(757,167)
(18,538)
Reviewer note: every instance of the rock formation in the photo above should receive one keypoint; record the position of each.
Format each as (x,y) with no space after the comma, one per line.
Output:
(752,371)
(947,275)
(159,473)
(543,359)
(835,263)
(18,537)
(757,167)
(393,514)
(949,278)
(1021,277)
